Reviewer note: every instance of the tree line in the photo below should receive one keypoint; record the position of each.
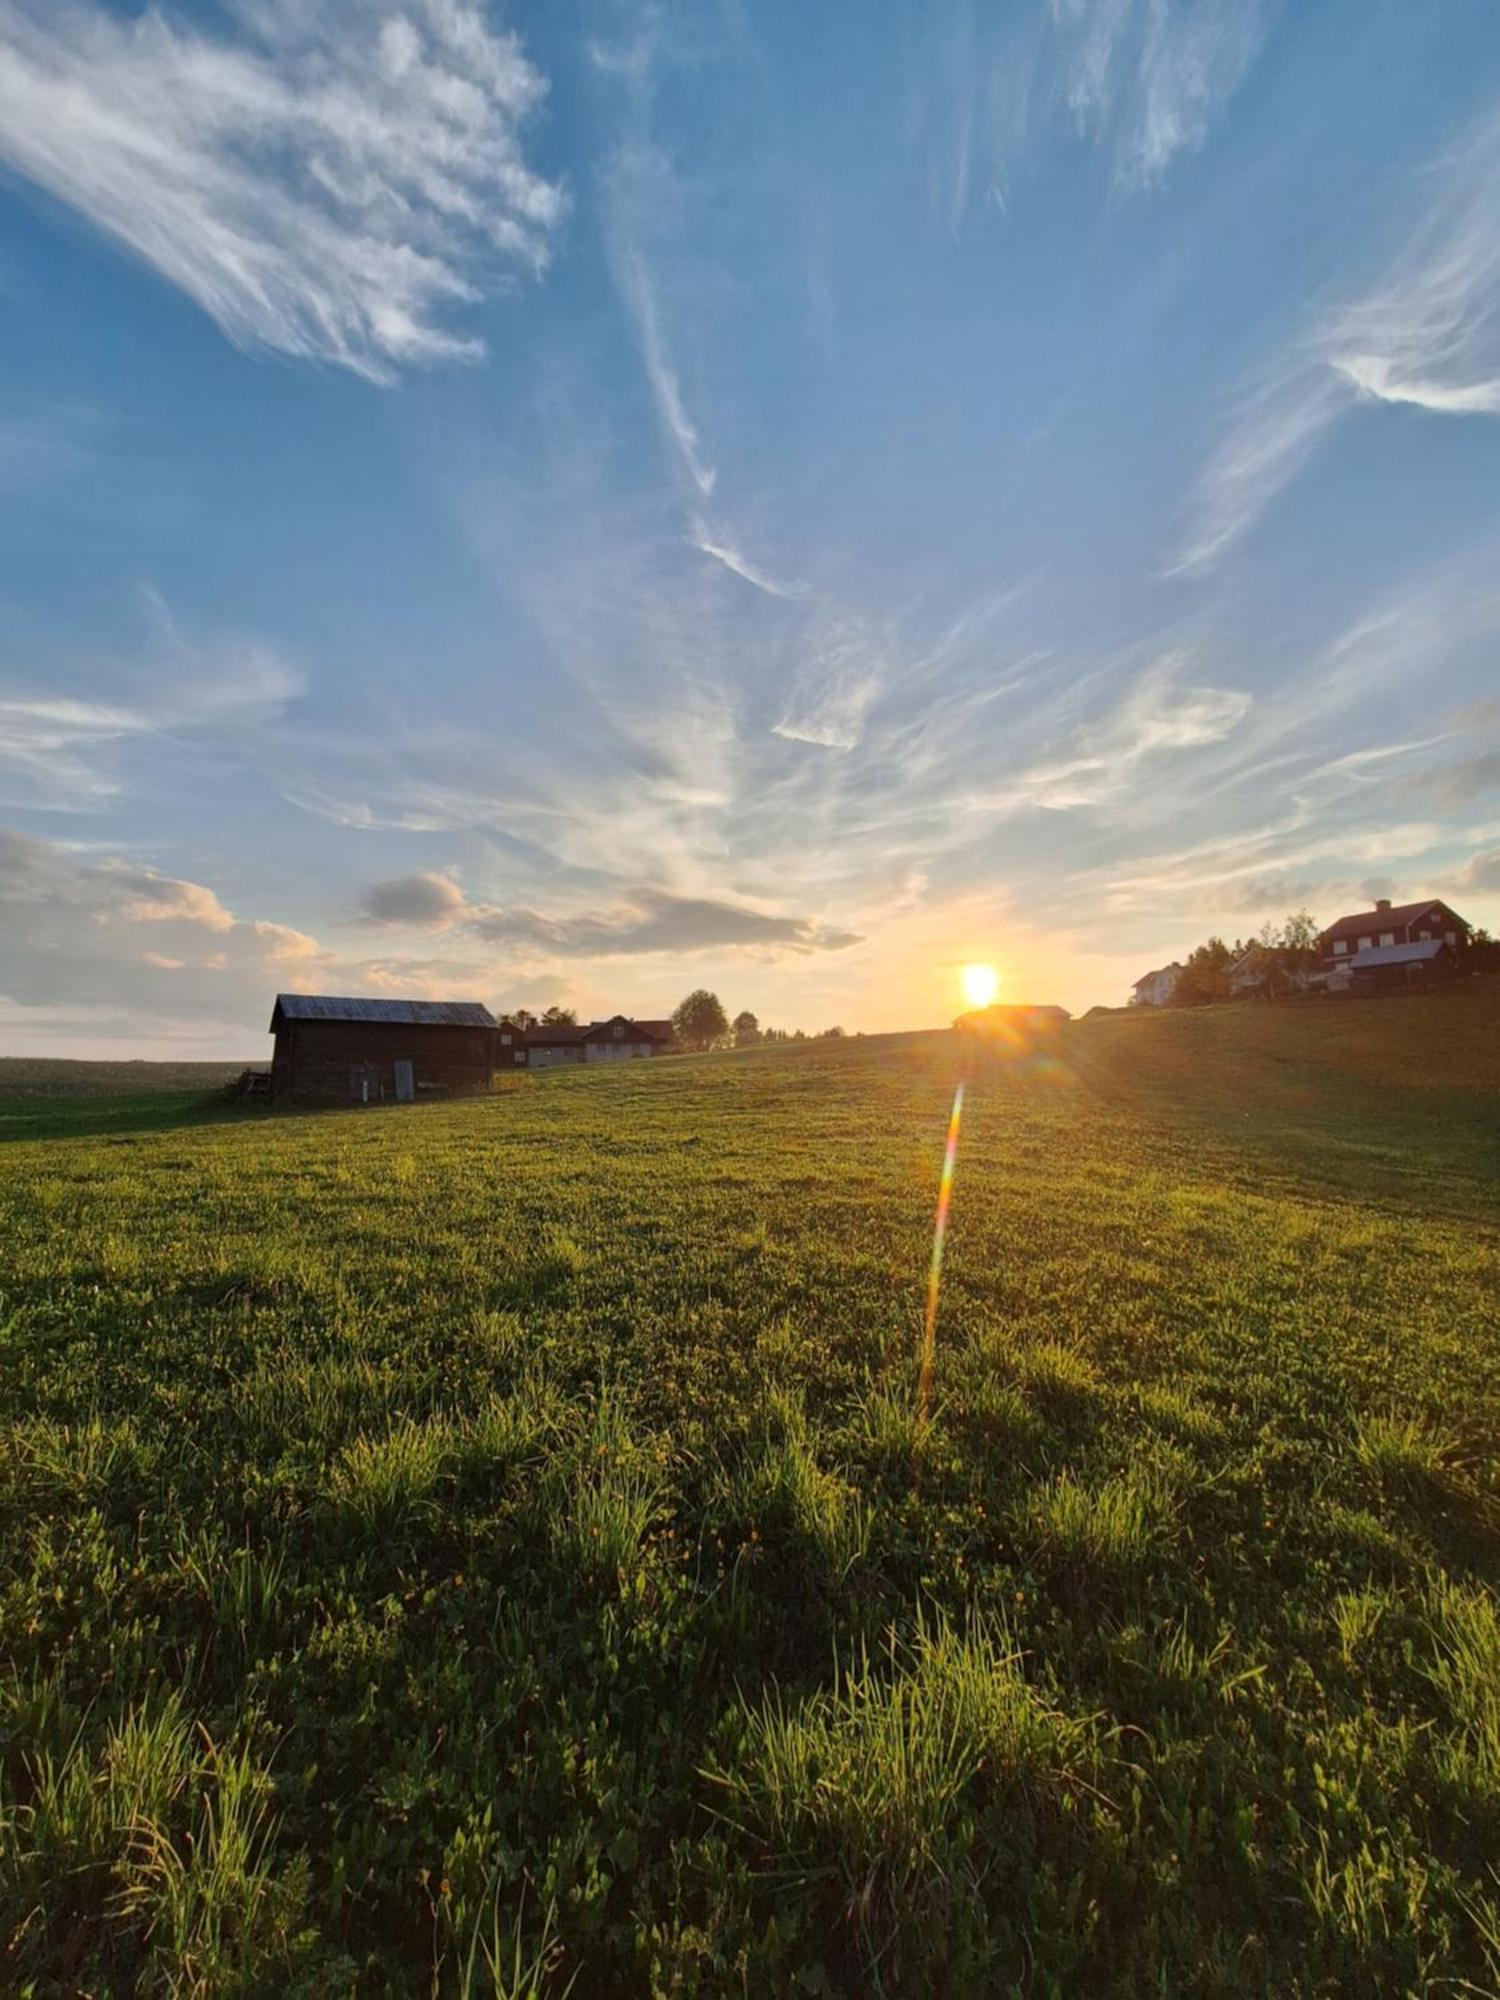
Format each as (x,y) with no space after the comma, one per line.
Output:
(698,1022)
(1283,952)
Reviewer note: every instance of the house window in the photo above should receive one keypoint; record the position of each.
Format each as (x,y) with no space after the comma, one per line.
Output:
(1340,949)
(1424,935)
(1364,944)
(1387,937)
(619,1030)
(1451,936)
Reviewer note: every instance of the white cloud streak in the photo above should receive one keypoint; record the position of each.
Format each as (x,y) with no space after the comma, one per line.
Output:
(1376,375)
(1143,81)
(1426,335)
(666,390)
(713,543)
(1146,78)
(328,184)
(65,753)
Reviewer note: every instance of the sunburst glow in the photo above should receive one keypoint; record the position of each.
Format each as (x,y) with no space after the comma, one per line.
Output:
(981,984)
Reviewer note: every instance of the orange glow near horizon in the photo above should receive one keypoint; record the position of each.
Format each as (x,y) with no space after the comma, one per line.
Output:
(981,983)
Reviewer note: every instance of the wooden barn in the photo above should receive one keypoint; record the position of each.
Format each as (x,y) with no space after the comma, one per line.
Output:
(347,1051)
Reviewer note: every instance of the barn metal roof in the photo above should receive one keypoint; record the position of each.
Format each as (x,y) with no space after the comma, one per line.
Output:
(400,1013)
(1396,954)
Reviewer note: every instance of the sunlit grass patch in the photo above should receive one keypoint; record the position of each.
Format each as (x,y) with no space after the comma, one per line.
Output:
(607,1496)
(782,1495)
(1465,1671)
(241,1588)
(881,1782)
(889,1428)
(166,1835)
(1000,1419)
(1180,1413)
(1062,1382)
(493,1961)
(92,1460)
(1110,1529)
(392,1480)
(1372,1543)
(1403,1451)
(1358,1616)
(387,1481)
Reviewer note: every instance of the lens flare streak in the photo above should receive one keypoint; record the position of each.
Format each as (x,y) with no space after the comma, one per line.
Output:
(939,1237)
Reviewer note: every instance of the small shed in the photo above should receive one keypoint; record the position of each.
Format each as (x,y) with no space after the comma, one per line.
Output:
(333,1050)
(1390,965)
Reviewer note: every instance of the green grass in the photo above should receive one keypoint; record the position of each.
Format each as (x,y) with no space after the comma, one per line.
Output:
(496,1547)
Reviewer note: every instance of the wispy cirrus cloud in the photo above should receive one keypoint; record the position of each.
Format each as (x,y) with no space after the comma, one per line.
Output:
(1143,81)
(61,752)
(1426,335)
(839,664)
(713,542)
(642,203)
(681,432)
(1158,715)
(1146,78)
(1380,376)
(328,181)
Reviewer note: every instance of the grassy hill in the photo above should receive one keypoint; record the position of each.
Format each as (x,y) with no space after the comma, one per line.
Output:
(64,1077)
(502,1535)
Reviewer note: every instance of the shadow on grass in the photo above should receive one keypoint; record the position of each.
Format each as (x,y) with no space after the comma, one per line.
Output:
(109,1117)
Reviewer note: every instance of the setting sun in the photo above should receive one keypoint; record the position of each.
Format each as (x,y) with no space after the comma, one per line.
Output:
(981,984)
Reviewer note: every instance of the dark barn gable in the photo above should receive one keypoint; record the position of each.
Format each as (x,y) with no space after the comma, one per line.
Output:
(342,1051)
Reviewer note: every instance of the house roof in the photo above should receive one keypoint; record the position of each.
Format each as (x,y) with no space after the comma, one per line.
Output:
(654,1031)
(1397,954)
(401,1013)
(1146,977)
(543,1035)
(1376,920)
(553,1035)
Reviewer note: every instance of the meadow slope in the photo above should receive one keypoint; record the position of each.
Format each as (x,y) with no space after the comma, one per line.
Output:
(491,1546)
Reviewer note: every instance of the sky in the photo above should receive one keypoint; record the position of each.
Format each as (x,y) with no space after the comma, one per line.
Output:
(572,503)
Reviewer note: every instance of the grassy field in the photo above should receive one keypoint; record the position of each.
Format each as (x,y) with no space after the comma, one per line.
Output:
(44,1097)
(494,1547)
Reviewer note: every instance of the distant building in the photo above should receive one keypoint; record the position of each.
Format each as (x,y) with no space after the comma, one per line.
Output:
(1384,926)
(1386,965)
(619,1039)
(334,1050)
(1392,945)
(544,1043)
(1261,972)
(1155,989)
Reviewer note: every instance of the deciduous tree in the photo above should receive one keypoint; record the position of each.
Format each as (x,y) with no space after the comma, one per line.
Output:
(700,1021)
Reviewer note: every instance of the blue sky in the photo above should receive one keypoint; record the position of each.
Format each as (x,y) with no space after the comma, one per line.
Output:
(573,503)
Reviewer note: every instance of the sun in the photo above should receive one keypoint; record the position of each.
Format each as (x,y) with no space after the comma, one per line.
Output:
(981,984)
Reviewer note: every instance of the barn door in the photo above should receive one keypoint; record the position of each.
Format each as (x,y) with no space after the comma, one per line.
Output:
(405,1088)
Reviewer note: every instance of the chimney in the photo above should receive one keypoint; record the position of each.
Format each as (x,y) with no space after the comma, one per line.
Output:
(1382,902)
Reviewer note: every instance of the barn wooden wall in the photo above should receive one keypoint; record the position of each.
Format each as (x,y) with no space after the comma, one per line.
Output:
(315,1060)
